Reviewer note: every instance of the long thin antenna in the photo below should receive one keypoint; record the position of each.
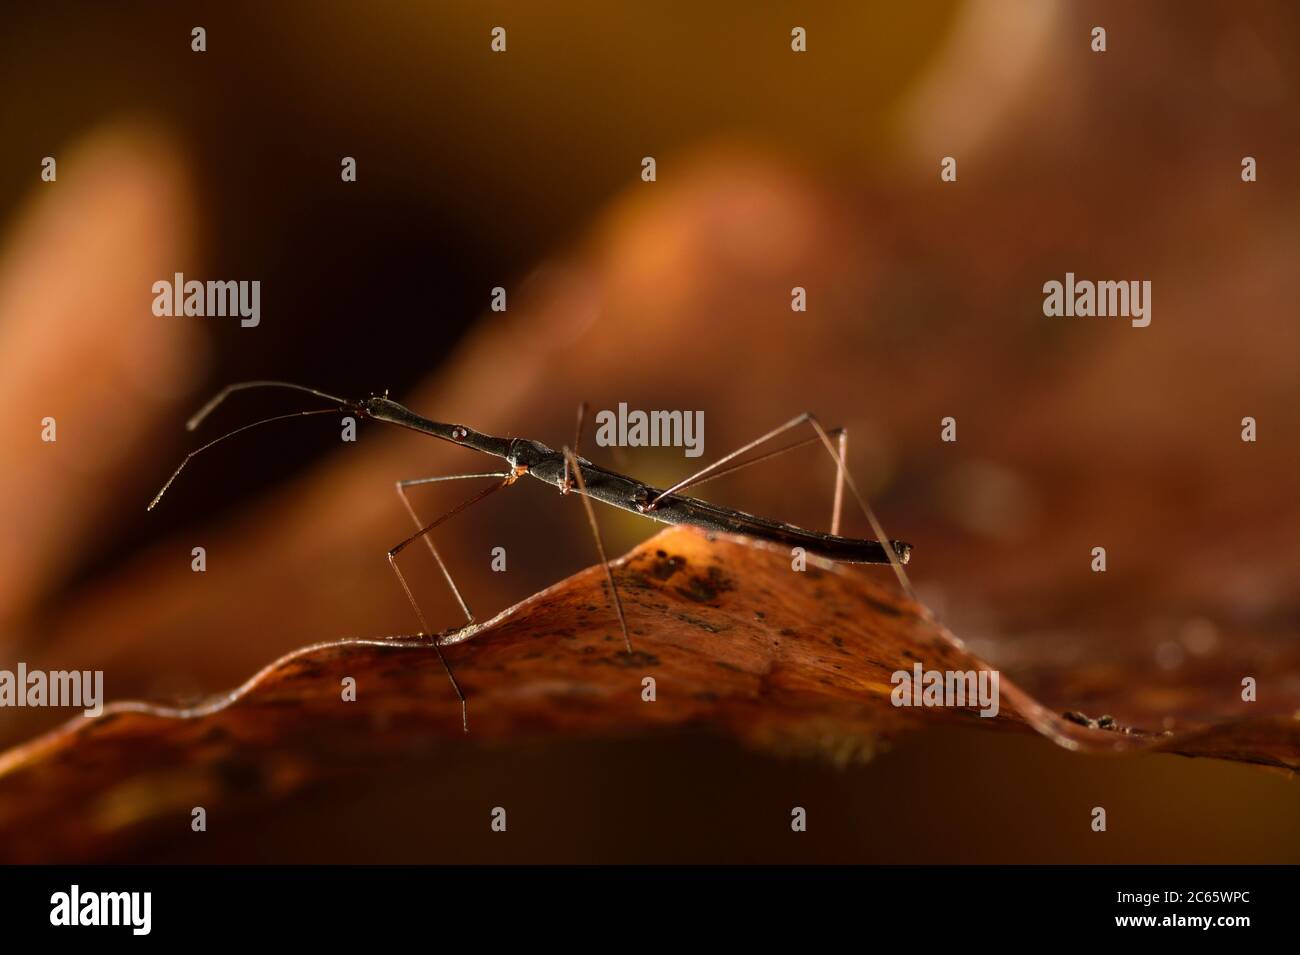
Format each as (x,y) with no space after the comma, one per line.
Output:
(231,434)
(227,391)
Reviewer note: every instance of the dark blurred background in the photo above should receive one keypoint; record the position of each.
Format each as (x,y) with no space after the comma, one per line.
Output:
(775,169)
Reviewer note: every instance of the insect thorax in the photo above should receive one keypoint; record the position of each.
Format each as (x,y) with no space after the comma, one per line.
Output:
(528,454)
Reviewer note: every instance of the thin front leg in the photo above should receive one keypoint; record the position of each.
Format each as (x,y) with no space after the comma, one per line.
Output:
(424,626)
(576,471)
(428,539)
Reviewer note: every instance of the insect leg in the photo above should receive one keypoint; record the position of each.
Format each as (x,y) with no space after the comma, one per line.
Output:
(696,480)
(846,478)
(577,441)
(424,626)
(839,482)
(842,477)
(699,475)
(600,546)
(428,538)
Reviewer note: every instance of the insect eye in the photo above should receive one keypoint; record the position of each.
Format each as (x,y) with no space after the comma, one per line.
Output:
(459,433)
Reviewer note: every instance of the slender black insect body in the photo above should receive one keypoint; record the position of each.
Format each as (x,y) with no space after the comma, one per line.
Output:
(568,472)
(618,490)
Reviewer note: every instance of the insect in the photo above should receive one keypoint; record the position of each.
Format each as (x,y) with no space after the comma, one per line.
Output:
(569,472)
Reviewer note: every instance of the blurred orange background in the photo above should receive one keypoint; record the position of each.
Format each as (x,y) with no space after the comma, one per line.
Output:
(774,170)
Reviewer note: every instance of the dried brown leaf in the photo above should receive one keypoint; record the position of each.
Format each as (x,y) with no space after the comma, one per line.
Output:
(736,641)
